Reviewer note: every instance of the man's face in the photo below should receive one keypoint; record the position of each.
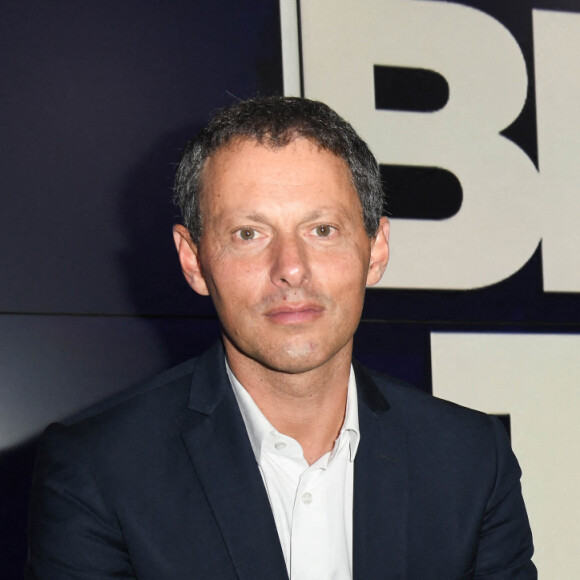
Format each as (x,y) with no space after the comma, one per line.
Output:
(284,253)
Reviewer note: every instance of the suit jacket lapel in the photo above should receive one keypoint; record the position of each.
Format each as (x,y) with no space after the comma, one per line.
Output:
(380,487)
(220,451)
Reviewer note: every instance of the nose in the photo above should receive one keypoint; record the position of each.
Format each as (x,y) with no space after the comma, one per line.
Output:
(290,266)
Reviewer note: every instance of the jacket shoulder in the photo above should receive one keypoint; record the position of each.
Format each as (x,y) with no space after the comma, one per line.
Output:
(174,380)
(404,397)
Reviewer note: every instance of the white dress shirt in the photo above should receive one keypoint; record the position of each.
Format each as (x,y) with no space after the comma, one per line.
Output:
(312,505)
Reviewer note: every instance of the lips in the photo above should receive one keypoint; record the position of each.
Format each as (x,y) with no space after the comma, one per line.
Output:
(295,313)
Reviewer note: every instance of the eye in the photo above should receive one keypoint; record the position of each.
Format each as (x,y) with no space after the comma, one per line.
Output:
(247,234)
(323,230)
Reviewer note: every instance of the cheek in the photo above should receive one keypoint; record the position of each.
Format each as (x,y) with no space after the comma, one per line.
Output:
(235,288)
(345,273)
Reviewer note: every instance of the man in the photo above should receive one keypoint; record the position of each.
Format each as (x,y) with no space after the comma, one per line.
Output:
(273,455)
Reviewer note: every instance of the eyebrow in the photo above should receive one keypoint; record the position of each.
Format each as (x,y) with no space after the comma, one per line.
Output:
(313,215)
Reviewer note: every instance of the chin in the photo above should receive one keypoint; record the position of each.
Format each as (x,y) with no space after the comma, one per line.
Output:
(296,358)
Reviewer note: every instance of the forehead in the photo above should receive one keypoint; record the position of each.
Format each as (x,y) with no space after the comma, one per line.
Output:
(249,164)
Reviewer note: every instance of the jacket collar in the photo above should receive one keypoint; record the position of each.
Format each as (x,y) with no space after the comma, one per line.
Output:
(381,486)
(222,457)
(209,381)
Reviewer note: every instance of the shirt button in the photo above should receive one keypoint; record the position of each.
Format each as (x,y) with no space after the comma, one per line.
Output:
(307,498)
(280,445)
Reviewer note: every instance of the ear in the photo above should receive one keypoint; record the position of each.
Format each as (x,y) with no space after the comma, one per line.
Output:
(379,253)
(189,259)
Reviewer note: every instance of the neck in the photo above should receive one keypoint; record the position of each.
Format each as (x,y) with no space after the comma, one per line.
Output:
(308,406)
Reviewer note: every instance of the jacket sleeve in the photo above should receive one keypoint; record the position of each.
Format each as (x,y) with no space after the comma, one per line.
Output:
(505,545)
(72,533)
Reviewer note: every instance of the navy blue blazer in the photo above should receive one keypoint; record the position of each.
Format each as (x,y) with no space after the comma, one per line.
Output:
(161,483)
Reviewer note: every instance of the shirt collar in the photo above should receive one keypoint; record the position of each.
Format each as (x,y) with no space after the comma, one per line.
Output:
(258,427)
(350,424)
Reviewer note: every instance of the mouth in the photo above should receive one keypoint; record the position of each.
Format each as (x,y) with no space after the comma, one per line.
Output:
(294,313)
